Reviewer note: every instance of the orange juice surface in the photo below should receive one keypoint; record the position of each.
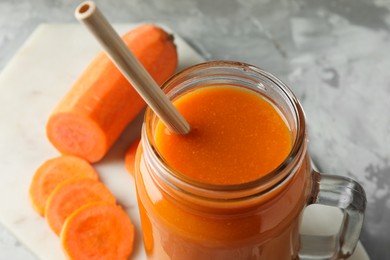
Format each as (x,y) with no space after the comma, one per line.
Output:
(236,136)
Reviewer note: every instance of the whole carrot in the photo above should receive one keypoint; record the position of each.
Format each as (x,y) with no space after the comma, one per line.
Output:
(101,103)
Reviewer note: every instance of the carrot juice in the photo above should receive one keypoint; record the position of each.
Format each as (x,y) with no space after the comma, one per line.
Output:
(234,187)
(219,148)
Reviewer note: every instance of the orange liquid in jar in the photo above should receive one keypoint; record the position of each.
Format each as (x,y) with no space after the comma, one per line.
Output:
(236,136)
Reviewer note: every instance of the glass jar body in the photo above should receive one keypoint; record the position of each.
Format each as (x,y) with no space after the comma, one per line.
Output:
(182,219)
(267,229)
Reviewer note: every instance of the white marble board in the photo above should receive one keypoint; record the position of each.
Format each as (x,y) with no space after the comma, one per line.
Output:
(31,85)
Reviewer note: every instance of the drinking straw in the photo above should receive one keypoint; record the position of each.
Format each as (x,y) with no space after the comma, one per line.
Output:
(89,15)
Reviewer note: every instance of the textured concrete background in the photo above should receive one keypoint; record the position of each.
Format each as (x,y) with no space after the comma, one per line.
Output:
(334,54)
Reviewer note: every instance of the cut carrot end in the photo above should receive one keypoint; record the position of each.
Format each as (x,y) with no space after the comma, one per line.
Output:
(98,231)
(71,195)
(76,135)
(53,172)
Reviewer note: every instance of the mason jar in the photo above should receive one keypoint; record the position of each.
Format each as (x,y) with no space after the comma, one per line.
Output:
(186,219)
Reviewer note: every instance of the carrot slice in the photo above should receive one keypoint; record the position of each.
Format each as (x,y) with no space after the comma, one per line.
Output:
(71,195)
(130,157)
(54,171)
(98,107)
(98,231)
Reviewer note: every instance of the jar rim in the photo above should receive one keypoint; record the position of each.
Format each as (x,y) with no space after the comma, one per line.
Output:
(271,180)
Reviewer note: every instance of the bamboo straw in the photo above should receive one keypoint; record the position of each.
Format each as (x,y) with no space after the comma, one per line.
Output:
(88,14)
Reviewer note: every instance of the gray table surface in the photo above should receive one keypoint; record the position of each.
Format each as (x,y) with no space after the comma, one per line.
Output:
(335,55)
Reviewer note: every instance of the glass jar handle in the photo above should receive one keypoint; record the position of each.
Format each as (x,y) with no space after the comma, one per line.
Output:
(349,196)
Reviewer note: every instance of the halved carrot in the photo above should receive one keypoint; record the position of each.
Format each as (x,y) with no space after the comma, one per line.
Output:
(101,103)
(98,231)
(71,195)
(54,171)
(130,157)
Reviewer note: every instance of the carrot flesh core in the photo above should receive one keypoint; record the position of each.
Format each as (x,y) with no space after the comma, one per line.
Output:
(98,231)
(71,195)
(101,103)
(53,172)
